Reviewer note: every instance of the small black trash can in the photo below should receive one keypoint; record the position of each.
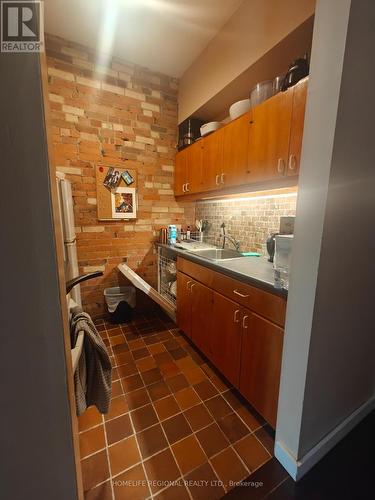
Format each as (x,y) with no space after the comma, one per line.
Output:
(120,302)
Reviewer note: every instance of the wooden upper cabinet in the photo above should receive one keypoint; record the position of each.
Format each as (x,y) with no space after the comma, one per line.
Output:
(184,302)
(212,161)
(226,337)
(180,172)
(201,316)
(262,345)
(194,167)
(296,131)
(268,150)
(235,152)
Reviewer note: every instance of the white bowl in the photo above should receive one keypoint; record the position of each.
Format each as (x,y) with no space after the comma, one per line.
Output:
(239,108)
(209,127)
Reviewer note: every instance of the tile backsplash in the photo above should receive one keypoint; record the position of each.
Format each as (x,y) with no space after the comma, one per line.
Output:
(248,220)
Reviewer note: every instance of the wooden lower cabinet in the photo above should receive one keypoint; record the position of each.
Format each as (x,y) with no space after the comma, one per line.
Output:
(245,347)
(184,303)
(226,337)
(201,316)
(262,344)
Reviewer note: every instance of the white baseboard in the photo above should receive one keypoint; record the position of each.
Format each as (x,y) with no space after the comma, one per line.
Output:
(298,468)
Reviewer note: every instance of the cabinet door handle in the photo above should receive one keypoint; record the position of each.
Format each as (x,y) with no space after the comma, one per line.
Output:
(244,322)
(187,285)
(292,162)
(235,318)
(191,288)
(280,165)
(187,186)
(183,188)
(222,178)
(217,179)
(236,292)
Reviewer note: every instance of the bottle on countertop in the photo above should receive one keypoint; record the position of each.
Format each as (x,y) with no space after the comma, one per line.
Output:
(172,234)
(188,232)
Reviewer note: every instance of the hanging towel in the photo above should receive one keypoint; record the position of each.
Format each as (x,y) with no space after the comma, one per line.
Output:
(92,379)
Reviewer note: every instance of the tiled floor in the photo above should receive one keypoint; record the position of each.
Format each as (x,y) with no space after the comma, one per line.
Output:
(175,428)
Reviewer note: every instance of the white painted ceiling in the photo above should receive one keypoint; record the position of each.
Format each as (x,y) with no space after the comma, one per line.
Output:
(163,35)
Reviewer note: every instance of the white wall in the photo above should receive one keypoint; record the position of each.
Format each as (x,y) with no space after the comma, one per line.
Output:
(328,369)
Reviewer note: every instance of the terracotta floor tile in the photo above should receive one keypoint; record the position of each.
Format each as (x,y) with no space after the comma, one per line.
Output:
(161,469)
(197,358)
(137,398)
(140,353)
(164,336)
(156,348)
(118,428)
(117,339)
(266,436)
(171,344)
(123,358)
(131,383)
(151,339)
(212,439)
(91,441)
(94,470)
(203,491)
(127,370)
(176,428)
(188,454)
(101,492)
(144,417)
(176,491)
(89,418)
(198,417)
(113,332)
(233,398)
(116,389)
(208,370)
(250,418)
(158,390)
(169,369)
(145,364)
(166,407)
(195,376)
(187,398)
(220,385)
(252,452)
(115,374)
(118,407)
(205,390)
(229,468)
(177,382)
(162,358)
(151,441)
(123,455)
(131,485)
(218,407)
(178,353)
(186,363)
(131,336)
(233,427)
(151,376)
(137,344)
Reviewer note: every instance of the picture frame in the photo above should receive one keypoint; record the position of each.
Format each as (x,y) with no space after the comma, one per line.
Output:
(124,203)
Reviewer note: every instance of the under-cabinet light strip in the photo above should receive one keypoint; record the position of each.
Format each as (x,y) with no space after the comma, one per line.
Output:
(247,198)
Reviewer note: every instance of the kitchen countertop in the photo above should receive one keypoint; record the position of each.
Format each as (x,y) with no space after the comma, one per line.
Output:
(256,271)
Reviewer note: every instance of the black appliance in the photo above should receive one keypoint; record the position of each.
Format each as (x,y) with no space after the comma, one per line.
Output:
(189,132)
(297,70)
(271,246)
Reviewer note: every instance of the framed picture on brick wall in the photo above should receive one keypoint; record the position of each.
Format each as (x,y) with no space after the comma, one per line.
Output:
(124,203)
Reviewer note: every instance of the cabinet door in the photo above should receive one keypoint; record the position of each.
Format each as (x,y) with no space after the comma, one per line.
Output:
(180,172)
(184,303)
(269,137)
(235,152)
(212,160)
(201,316)
(262,344)
(226,337)
(194,157)
(296,132)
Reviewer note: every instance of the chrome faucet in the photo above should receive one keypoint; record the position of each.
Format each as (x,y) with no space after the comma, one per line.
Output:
(226,237)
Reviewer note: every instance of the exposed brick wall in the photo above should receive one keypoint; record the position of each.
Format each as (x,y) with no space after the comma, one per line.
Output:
(119,115)
(249,221)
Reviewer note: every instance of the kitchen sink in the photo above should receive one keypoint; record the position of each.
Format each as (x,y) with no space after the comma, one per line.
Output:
(218,254)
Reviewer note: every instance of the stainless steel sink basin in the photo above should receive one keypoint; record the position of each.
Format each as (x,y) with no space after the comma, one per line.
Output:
(218,254)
